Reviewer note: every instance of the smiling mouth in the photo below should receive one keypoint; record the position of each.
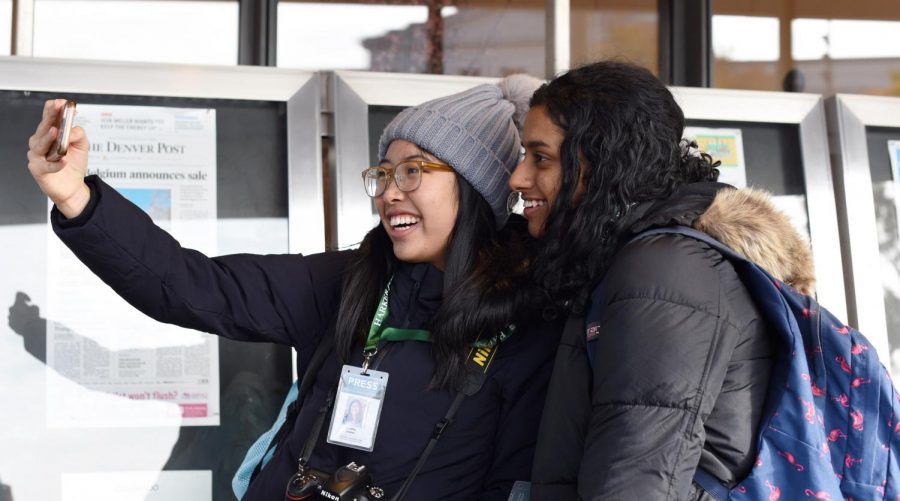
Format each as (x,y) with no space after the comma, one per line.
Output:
(403,223)
(530,204)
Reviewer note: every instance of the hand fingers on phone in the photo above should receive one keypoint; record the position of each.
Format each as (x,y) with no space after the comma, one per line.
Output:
(40,143)
(78,139)
(37,155)
(52,108)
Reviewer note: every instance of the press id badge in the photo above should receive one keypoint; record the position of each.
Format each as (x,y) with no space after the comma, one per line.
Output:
(357,408)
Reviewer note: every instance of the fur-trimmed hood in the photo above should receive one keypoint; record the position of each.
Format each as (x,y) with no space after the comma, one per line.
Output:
(746,220)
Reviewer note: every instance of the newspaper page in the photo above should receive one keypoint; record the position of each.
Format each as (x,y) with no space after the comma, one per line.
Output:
(726,146)
(164,161)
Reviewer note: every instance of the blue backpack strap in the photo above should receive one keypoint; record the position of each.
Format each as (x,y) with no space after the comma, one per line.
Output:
(264,448)
(521,491)
(711,484)
(260,452)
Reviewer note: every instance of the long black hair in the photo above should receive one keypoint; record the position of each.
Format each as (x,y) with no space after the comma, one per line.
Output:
(485,285)
(622,129)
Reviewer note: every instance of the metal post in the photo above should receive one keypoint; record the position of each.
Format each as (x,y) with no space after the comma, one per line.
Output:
(558,39)
(685,48)
(434,29)
(22,43)
(258,21)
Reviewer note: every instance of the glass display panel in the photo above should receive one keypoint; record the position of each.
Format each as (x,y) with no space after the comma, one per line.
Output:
(168,460)
(884,158)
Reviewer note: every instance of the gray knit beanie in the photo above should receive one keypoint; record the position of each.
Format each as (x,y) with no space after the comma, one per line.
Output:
(475,131)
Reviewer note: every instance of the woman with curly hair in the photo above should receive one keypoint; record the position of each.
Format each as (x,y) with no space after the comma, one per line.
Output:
(668,369)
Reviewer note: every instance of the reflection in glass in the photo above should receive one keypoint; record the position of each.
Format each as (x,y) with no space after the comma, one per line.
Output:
(74,457)
(171,31)
(817,47)
(885,193)
(494,39)
(468,38)
(330,35)
(615,29)
(745,52)
(5,39)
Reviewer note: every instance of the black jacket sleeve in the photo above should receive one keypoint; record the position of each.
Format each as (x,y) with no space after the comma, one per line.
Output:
(286,299)
(657,370)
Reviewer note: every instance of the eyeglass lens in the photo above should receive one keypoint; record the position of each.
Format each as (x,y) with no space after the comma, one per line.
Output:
(407,176)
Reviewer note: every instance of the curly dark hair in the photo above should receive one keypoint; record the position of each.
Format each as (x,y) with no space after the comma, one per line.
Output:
(622,129)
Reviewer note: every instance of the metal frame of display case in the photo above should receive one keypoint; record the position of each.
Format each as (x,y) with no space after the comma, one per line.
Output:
(351,95)
(848,116)
(807,111)
(299,90)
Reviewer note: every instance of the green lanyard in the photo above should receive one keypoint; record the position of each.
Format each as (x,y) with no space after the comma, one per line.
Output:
(378,332)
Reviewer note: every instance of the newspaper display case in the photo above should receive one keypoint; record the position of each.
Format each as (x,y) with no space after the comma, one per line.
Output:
(785,147)
(268,198)
(865,140)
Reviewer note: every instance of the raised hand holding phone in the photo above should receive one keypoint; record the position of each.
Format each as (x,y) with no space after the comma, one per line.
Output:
(57,167)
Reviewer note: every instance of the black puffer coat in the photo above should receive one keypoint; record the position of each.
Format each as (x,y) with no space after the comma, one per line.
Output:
(681,357)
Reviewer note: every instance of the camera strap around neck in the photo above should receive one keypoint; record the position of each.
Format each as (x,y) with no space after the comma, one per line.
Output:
(477,363)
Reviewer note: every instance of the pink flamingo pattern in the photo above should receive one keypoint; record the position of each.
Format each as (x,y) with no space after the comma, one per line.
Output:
(790,459)
(857,420)
(844,365)
(835,434)
(849,461)
(774,492)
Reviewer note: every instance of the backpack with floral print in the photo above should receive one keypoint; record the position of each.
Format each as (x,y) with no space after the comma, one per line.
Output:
(832,428)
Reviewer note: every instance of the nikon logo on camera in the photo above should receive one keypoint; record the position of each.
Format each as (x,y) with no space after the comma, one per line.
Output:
(328,495)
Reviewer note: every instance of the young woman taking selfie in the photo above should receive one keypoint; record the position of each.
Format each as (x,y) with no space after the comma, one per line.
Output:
(426,324)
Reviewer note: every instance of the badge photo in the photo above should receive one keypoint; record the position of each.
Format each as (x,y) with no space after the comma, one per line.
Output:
(357,408)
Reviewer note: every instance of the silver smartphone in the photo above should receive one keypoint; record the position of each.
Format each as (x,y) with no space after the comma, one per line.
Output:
(61,145)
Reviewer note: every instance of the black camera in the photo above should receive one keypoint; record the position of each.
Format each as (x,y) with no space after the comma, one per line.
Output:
(348,483)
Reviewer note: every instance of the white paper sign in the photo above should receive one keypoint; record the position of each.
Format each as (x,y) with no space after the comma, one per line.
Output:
(163,160)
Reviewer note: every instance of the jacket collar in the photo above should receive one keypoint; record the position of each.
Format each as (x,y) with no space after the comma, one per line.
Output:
(416,294)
